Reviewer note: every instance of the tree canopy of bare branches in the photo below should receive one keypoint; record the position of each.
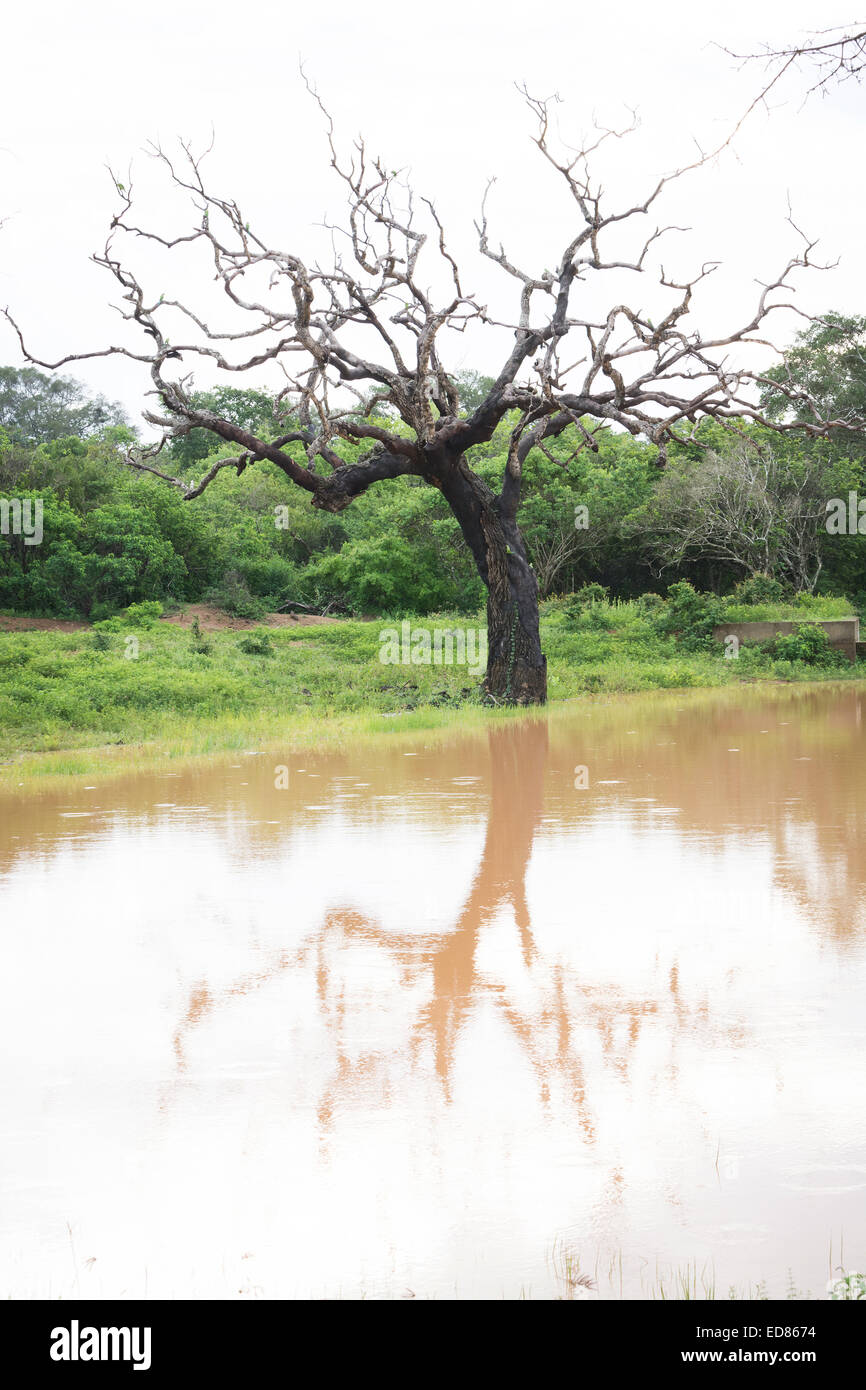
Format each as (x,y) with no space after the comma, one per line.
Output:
(831,56)
(756,510)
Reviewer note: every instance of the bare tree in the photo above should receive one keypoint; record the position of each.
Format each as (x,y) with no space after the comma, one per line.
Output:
(553,550)
(562,544)
(748,507)
(360,345)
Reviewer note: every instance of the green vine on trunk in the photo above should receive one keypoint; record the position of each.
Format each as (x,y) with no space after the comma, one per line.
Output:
(512,649)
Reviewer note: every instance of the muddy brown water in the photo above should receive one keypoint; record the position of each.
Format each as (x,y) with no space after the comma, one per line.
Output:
(439,1019)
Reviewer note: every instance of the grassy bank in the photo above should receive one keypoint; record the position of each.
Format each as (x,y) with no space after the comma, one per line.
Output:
(74,703)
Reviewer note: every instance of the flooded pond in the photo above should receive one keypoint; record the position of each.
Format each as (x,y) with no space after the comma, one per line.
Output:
(447,1016)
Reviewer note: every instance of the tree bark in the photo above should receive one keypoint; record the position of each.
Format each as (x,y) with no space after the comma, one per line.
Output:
(516,665)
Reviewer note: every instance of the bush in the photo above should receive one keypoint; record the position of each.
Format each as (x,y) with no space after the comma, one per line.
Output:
(384,574)
(651,604)
(809,644)
(257,644)
(759,588)
(690,616)
(270,577)
(585,597)
(233,596)
(588,609)
(146,614)
(200,645)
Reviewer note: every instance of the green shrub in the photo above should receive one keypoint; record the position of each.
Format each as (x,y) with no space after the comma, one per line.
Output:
(690,616)
(588,609)
(586,597)
(391,575)
(759,588)
(146,614)
(233,595)
(200,645)
(650,603)
(257,643)
(270,577)
(809,644)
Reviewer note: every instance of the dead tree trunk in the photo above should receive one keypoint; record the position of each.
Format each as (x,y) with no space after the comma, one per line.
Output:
(516,666)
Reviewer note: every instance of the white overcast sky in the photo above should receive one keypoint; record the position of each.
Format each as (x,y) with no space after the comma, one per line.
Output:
(432,88)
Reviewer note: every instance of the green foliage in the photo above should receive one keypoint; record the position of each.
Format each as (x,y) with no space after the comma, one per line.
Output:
(759,588)
(233,595)
(800,607)
(271,578)
(35,408)
(828,364)
(690,616)
(755,507)
(89,565)
(199,644)
(612,484)
(588,609)
(472,387)
(651,603)
(146,614)
(69,690)
(809,644)
(115,539)
(257,643)
(384,574)
(250,409)
(137,615)
(126,560)
(586,597)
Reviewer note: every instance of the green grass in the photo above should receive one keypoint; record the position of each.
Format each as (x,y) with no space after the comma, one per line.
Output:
(806,608)
(69,708)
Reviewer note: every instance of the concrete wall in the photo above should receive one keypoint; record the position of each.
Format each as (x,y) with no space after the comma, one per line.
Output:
(842,633)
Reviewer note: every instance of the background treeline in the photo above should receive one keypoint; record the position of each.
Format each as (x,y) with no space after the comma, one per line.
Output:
(719,512)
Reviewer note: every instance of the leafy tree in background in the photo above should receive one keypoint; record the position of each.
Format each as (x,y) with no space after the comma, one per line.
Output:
(91,565)
(36,409)
(86,472)
(400,550)
(825,370)
(248,408)
(823,375)
(473,388)
(611,484)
